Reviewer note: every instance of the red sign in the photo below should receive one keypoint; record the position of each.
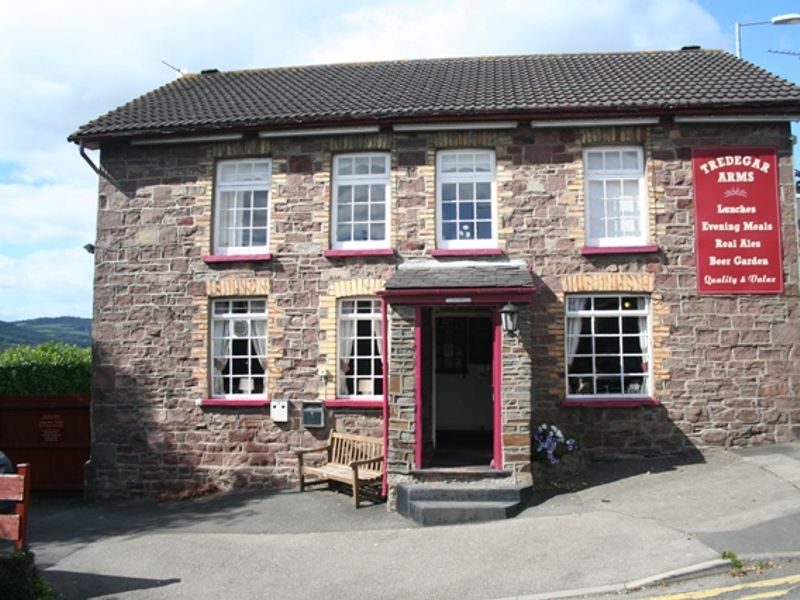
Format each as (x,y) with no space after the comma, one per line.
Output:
(737,221)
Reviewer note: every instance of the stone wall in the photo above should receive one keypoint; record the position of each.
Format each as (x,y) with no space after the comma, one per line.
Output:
(726,369)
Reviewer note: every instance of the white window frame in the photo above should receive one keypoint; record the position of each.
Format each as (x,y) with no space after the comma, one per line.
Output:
(352,180)
(474,177)
(606,175)
(241,325)
(343,318)
(237,187)
(575,307)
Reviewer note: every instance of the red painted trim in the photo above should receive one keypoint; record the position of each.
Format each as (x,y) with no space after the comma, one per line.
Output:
(439,296)
(226,258)
(385,367)
(233,403)
(437,252)
(418,388)
(593,250)
(497,384)
(345,253)
(348,403)
(610,403)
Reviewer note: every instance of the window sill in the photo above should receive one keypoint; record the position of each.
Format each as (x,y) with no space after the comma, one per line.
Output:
(438,252)
(212,402)
(594,250)
(620,402)
(348,403)
(228,258)
(365,252)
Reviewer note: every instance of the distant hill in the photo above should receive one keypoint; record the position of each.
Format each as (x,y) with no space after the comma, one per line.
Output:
(69,330)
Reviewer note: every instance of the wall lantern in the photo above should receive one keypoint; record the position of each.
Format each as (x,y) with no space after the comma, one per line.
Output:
(509,316)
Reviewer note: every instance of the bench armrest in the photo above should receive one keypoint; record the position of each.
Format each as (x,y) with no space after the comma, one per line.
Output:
(307,450)
(366,461)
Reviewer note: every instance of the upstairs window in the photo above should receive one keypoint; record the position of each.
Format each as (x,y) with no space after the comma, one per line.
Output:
(239,347)
(616,207)
(466,199)
(242,206)
(360,344)
(607,346)
(360,201)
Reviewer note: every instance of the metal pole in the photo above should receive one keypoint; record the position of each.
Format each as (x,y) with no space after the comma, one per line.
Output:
(738,40)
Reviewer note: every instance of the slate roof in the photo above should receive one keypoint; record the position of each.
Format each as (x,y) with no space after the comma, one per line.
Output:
(489,276)
(535,86)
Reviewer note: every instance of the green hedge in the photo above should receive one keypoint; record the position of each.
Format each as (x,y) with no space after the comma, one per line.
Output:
(20,580)
(50,368)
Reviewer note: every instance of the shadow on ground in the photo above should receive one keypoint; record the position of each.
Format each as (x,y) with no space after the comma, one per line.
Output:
(79,586)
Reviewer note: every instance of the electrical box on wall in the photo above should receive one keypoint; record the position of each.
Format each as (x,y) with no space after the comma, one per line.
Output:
(313,415)
(279,410)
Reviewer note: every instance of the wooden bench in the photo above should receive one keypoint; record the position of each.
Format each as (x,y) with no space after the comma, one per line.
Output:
(355,460)
(16,488)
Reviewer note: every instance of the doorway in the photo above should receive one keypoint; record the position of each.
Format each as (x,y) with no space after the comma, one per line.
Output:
(462,396)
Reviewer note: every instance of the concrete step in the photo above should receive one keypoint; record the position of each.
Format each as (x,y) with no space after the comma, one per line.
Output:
(444,512)
(446,504)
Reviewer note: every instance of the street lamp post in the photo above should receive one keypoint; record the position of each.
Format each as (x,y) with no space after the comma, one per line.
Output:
(789,19)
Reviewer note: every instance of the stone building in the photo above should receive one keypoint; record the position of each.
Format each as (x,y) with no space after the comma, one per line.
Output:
(347,237)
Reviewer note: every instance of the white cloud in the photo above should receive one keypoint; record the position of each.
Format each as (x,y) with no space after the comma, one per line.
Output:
(49,283)
(53,214)
(466,28)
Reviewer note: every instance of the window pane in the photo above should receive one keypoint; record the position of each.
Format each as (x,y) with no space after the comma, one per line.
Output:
(484,210)
(449,211)
(483,163)
(345,166)
(613,189)
(466,191)
(606,303)
(596,190)
(466,231)
(377,212)
(261,171)
(342,233)
(360,232)
(360,212)
(448,192)
(595,160)
(613,160)
(483,191)
(378,164)
(361,193)
(227,172)
(378,193)
(631,188)
(259,237)
(361,165)
(484,231)
(630,159)
(378,231)
(449,163)
(345,194)
(466,210)
(260,199)
(449,231)
(344,212)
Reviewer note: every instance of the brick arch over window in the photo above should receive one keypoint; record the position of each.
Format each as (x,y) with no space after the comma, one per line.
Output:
(337,290)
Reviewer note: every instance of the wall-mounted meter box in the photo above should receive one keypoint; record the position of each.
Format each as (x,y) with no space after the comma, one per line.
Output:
(313,415)
(279,410)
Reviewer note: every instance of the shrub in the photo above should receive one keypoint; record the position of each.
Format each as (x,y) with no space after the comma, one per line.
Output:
(50,368)
(19,579)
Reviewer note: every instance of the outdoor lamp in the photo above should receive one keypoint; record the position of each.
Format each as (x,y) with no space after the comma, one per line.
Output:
(509,315)
(788,19)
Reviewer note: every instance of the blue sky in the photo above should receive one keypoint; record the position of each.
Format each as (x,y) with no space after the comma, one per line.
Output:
(64,63)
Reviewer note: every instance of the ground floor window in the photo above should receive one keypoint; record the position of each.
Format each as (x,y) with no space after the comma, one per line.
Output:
(360,344)
(608,346)
(239,347)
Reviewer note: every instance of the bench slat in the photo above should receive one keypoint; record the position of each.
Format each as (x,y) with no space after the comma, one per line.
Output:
(10,527)
(12,487)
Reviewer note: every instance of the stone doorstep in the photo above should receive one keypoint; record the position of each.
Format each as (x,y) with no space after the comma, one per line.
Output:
(443,503)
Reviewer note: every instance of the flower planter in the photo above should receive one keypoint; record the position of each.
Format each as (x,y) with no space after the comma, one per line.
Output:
(570,473)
